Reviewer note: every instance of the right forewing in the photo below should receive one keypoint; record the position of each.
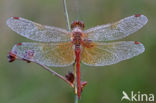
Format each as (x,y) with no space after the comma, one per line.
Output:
(117,30)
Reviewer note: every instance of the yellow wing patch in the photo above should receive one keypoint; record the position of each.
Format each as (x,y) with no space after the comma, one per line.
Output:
(39,26)
(63,53)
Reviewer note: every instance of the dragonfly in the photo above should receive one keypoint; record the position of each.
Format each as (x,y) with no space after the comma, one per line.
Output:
(57,47)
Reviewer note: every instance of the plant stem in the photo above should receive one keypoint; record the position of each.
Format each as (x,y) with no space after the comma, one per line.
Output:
(53,72)
(76,99)
(66,15)
(75,87)
(69,29)
(56,74)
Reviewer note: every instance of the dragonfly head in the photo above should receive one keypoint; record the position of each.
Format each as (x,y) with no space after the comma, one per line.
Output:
(77,23)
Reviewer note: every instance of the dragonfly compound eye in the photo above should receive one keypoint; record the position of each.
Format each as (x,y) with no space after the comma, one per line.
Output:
(77,24)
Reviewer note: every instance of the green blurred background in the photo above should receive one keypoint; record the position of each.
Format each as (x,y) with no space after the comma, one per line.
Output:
(29,83)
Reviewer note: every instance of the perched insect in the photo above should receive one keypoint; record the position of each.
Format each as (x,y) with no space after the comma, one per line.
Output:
(60,48)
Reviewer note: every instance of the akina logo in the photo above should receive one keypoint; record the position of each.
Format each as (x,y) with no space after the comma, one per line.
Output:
(137,96)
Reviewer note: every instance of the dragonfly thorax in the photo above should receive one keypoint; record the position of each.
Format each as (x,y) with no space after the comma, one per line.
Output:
(77,32)
(77,38)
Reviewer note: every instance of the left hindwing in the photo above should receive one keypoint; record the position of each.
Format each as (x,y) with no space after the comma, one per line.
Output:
(49,54)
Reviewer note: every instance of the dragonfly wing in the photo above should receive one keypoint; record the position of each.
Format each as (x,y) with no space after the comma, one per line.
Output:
(37,32)
(117,30)
(49,54)
(102,54)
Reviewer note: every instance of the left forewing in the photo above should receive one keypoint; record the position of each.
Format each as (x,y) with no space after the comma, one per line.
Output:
(36,31)
(102,54)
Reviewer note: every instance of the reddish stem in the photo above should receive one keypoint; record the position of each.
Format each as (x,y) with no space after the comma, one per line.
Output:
(56,74)
(53,72)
